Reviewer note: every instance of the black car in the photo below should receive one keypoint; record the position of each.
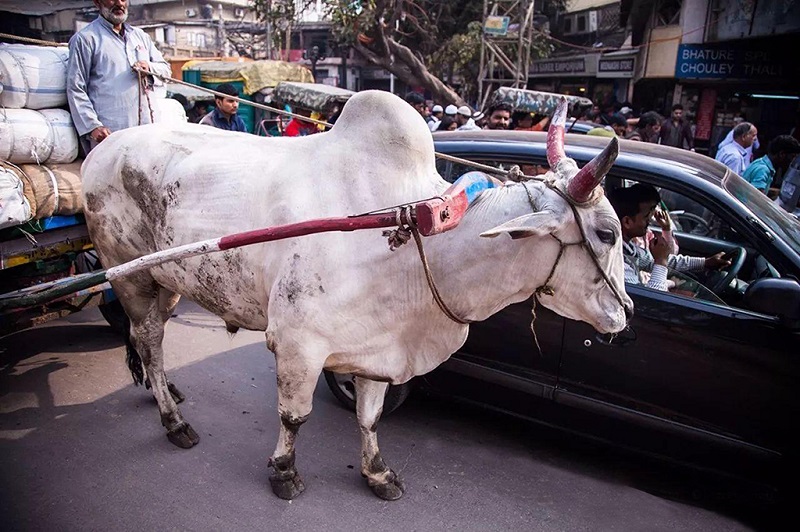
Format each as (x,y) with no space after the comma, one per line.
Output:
(711,368)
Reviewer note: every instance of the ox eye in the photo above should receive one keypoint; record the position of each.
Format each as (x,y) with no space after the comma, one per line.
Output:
(606,236)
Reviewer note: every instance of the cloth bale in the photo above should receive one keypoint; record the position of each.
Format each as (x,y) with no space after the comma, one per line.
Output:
(14,206)
(53,189)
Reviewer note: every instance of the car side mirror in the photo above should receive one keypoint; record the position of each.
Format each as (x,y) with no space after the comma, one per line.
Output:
(776,297)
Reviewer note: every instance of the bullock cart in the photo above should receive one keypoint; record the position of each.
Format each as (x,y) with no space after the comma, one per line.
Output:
(42,255)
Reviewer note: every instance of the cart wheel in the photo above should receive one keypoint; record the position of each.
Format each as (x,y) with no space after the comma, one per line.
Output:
(344,390)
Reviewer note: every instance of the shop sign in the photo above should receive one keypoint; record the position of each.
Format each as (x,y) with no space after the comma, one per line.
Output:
(731,61)
(568,66)
(616,67)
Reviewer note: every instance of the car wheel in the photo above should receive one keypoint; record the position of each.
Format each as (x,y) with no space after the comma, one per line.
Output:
(344,389)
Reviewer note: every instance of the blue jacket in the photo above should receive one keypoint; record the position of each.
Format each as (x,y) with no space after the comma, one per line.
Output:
(216,119)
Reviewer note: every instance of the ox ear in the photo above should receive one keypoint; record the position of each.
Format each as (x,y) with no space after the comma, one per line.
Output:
(536,224)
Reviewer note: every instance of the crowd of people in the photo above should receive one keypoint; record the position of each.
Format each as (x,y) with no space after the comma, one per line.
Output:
(452,118)
(735,151)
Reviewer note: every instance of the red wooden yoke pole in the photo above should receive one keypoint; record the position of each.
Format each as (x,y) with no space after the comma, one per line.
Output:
(310,227)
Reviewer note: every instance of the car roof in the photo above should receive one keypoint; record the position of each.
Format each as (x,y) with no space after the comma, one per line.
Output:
(643,156)
(580,126)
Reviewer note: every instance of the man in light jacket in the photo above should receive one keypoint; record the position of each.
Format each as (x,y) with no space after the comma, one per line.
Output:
(103,90)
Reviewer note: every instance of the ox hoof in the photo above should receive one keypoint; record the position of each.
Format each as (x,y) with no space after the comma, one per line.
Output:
(389,491)
(176,394)
(286,488)
(183,436)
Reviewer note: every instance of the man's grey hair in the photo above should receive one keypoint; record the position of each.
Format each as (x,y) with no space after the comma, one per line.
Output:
(742,129)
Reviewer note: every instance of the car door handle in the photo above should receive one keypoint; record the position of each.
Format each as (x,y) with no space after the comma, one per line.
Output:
(621,339)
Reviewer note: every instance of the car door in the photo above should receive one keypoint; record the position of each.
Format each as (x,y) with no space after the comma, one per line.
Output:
(500,356)
(691,365)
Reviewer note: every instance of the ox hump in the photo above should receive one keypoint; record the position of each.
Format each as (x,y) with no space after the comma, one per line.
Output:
(388,129)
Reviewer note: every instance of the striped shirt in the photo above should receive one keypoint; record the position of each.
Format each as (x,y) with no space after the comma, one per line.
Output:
(638,260)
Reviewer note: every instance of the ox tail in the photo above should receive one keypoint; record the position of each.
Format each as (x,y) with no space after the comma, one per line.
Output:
(132,358)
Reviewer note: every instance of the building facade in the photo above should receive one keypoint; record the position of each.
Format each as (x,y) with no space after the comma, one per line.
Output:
(589,57)
(723,60)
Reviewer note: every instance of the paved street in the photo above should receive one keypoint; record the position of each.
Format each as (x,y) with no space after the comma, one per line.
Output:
(82,449)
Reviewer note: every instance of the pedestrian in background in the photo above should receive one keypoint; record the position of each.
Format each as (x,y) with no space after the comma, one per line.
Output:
(782,149)
(647,128)
(103,91)
(676,131)
(617,127)
(736,155)
(729,139)
(499,116)
(448,123)
(525,121)
(225,116)
(298,127)
(464,119)
(436,115)
(417,101)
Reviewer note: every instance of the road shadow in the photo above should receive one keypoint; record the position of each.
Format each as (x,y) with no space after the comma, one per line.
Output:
(754,504)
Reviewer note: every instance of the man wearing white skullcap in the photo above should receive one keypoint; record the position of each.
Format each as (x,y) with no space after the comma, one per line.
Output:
(464,119)
(435,117)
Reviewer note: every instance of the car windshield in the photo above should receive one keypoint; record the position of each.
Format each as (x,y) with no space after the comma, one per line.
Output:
(779,221)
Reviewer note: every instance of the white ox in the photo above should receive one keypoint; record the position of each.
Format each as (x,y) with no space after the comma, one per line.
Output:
(340,301)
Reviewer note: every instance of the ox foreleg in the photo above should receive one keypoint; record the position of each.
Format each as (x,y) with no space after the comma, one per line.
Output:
(149,306)
(369,404)
(296,383)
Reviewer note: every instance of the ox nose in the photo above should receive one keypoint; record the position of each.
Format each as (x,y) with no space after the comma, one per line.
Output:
(628,312)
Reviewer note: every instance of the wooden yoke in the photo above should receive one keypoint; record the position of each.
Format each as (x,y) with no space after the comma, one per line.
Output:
(441,214)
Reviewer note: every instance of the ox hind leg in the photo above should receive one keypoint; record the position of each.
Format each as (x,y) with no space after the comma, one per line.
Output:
(369,404)
(148,307)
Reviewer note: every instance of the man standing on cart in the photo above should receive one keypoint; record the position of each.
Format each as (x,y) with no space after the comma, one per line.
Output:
(104,93)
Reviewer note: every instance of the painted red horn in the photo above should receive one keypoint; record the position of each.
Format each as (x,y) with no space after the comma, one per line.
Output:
(555,135)
(580,187)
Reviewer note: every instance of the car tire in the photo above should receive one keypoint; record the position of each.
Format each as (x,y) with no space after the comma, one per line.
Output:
(343,388)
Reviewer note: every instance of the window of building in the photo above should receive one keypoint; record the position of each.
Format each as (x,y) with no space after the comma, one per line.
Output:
(568,25)
(668,12)
(581,23)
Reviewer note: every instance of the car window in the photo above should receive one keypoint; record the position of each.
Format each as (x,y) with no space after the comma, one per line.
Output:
(778,220)
(691,217)
(701,232)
